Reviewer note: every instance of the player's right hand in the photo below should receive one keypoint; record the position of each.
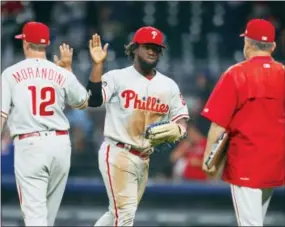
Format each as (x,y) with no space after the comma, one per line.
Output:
(65,59)
(97,53)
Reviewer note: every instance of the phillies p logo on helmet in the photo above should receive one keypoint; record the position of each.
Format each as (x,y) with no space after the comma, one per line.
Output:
(154,34)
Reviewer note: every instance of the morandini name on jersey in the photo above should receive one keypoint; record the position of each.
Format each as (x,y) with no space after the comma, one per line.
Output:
(146,103)
(43,73)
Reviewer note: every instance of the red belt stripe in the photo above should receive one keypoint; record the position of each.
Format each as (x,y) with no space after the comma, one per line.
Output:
(32,134)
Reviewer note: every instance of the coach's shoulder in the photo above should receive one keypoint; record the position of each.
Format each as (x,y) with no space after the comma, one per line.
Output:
(282,66)
(232,73)
(235,68)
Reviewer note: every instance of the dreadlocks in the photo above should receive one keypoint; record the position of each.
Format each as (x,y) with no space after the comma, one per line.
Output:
(129,49)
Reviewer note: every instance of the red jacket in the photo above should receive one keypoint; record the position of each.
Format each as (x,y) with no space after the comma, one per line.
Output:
(249,101)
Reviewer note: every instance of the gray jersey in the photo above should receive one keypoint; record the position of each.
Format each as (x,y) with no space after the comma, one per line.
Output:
(34,94)
(133,102)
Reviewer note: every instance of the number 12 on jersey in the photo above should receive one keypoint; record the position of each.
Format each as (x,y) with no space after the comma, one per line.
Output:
(40,102)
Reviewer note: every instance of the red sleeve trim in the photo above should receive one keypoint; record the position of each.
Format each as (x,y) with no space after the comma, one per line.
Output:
(178,117)
(3,114)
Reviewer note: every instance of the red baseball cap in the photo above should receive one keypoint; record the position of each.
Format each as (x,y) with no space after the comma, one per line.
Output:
(149,34)
(35,32)
(260,30)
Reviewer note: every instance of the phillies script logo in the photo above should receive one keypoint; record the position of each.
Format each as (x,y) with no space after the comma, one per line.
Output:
(149,103)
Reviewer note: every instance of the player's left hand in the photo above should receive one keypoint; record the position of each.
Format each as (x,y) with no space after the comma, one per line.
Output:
(66,54)
(164,132)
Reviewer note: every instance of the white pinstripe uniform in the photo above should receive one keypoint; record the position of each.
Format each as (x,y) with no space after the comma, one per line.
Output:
(34,94)
(132,103)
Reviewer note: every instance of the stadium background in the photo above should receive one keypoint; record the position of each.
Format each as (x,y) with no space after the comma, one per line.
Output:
(202,41)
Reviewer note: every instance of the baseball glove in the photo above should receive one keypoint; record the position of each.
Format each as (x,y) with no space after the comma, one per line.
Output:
(168,133)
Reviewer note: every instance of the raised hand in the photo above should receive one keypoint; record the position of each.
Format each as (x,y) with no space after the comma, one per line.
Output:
(98,54)
(66,54)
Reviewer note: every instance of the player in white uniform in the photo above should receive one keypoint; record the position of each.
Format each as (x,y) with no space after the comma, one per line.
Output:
(34,94)
(135,97)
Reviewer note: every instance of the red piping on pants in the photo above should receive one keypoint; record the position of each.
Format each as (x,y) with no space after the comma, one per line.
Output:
(111,186)
(235,204)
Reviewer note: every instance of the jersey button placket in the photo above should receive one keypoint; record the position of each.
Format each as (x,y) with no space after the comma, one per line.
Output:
(146,112)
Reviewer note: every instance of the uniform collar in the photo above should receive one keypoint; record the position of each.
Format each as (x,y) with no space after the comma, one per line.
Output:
(261,58)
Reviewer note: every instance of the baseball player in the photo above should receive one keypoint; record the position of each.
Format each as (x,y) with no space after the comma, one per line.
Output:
(248,104)
(135,97)
(34,93)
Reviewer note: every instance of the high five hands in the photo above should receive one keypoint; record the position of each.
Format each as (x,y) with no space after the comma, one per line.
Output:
(66,54)
(97,52)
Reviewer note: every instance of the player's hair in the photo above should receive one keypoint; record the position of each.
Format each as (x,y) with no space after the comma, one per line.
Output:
(129,49)
(38,47)
(259,45)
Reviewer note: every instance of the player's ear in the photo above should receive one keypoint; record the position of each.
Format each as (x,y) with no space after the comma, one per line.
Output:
(246,42)
(25,44)
(273,47)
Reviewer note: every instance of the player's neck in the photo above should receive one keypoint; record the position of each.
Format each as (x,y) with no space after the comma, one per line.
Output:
(36,54)
(259,54)
(144,72)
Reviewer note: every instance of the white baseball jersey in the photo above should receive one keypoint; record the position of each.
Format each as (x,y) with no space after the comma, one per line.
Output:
(34,94)
(133,102)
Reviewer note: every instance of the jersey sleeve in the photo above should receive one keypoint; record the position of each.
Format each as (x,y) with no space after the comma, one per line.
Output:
(6,96)
(108,86)
(76,94)
(222,102)
(178,107)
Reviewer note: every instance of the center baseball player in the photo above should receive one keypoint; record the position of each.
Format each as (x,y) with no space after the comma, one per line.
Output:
(135,97)
(34,93)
